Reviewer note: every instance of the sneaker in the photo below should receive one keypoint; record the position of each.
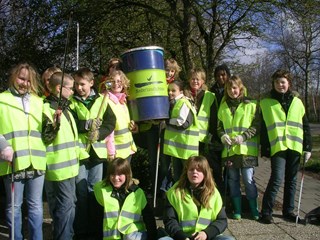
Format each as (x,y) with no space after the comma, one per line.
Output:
(266,219)
(291,217)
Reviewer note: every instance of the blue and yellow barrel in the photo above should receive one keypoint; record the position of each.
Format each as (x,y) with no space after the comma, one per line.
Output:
(148,94)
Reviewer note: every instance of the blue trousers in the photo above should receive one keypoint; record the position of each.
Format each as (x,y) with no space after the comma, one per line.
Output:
(33,189)
(61,197)
(284,165)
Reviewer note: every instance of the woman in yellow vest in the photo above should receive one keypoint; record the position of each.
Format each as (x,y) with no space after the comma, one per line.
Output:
(61,137)
(238,125)
(285,136)
(194,208)
(127,214)
(181,136)
(117,94)
(21,126)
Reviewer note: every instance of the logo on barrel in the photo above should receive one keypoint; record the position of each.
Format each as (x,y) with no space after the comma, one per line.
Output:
(144,84)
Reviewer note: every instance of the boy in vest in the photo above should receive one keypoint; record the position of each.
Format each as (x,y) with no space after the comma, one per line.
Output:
(21,125)
(96,122)
(61,137)
(285,136)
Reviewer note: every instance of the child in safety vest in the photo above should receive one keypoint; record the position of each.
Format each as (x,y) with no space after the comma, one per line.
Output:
(285,136)
(61,137)
(96,122)
(127,214)
(181,136)
(194,207)
(238,126)
(117,94)
(21,125)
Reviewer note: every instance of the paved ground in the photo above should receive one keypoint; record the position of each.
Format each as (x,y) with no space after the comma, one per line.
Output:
(247,229)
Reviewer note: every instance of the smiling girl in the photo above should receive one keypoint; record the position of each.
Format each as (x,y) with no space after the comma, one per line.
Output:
(238,125)
(127,214)
(181,136)
(123,138)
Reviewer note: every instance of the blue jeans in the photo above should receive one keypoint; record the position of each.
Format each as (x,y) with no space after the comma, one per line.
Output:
(90,172)
(61,197)
(219,237)
(33,193)
(247,179)
(284,165)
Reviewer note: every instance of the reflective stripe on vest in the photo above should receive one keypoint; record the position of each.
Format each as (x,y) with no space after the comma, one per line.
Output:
(204,115)
(182,143)
(84,113)
(243,116)
(189,218)
(63,152)
(123,139)
(124,221)
(284,131)
(23,132)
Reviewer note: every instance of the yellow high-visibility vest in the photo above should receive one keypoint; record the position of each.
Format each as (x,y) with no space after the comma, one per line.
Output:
(190,219)
(23,132)
(237,124)
(182,143)
(284,131)
(63,152)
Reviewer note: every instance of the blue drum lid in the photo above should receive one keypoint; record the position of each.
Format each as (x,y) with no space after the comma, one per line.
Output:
(142,58)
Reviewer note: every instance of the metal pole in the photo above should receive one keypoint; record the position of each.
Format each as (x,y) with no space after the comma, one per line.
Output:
(300,193)
(65,57)
(157,166)
(78,30)
(12,200)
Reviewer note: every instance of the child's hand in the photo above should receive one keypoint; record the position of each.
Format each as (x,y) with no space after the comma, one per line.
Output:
(110,158)
(225,139)
(57,118)
(7,154)
(133,127)
(238,139)
(199,236)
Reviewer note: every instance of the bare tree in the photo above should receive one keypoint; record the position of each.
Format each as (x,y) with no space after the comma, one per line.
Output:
(297,32)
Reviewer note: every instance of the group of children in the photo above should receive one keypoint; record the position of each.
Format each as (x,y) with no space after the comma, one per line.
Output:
(66,145)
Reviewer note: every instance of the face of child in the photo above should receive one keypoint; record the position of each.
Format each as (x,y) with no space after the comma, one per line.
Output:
(117,180)
(22,82)
(67,89)
(46,80)
(196,82)
(116,86)
(83,86)
(195,176)
(221,77)
(233,91)
(281,85)
(173,91)
(170,73)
